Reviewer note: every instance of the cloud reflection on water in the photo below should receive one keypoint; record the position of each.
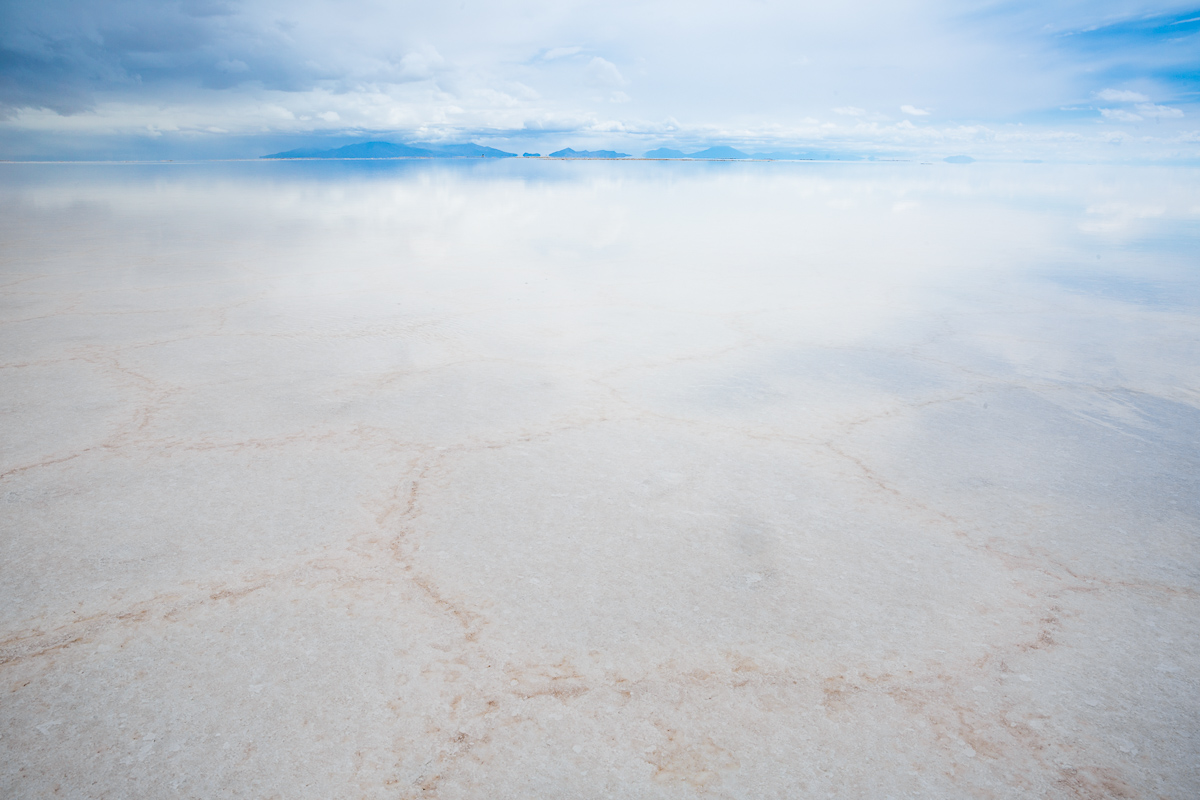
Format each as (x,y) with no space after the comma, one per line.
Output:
(783,458)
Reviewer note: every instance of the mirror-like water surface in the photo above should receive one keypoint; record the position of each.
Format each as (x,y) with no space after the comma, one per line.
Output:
(599,479)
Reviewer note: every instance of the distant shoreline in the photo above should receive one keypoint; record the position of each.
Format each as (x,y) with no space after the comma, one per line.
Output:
(261,160)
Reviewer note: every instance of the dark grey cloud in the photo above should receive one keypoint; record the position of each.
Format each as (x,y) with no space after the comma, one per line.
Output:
(61,54)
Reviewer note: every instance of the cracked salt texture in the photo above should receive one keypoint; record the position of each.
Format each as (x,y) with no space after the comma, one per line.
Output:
(635,480)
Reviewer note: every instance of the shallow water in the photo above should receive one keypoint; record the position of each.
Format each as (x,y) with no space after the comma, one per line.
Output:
(570,479)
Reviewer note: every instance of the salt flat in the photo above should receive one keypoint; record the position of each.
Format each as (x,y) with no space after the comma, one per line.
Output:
(585,480)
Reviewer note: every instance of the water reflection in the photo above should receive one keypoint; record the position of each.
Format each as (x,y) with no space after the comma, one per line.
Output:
(831,451)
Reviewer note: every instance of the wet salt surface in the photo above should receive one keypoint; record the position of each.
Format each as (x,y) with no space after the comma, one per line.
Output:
(591,480)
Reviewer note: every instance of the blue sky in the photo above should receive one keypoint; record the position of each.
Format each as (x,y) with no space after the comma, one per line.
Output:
(217,78)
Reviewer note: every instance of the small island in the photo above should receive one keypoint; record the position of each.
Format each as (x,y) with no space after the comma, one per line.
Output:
(569,153)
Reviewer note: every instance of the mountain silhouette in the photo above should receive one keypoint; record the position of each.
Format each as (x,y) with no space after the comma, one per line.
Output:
(464,150)
(569,153)
(665,152)
(390,150)
(720,151)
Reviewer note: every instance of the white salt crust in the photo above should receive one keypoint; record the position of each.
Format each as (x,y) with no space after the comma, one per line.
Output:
(599,480)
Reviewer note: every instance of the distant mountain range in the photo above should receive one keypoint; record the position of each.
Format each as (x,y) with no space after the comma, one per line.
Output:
(569,153)
(472,150)
(723,152)
(390,150)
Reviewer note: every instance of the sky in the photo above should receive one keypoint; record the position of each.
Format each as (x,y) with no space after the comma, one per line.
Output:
(1054,79)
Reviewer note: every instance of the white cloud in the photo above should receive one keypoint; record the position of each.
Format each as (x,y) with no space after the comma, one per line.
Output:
(1122,96)
(420,65)
(605,73)
(111,68)
(1163,112)
(1120,115)
(520,90)
(560,52)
